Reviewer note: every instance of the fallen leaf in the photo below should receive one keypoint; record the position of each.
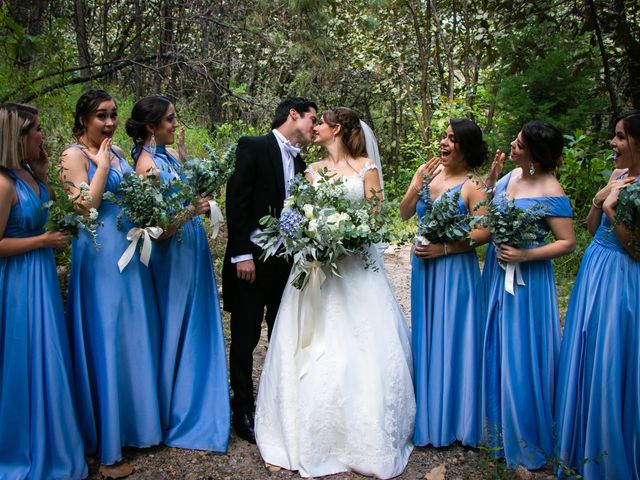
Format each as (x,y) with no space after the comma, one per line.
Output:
(117,470)
(272,468)
(436,473)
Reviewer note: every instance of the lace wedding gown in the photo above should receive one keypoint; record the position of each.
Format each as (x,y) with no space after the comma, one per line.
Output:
(353,408)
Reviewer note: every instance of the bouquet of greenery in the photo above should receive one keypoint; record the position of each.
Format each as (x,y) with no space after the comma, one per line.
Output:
(69,213)
(443,221)
(151,206)
(628,209)
(207,176)
(512,226)
(319,224)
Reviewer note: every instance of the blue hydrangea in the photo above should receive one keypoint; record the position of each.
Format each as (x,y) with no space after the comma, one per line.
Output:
(291,222)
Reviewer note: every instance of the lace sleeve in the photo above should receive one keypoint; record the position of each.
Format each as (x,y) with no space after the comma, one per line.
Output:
(367,167)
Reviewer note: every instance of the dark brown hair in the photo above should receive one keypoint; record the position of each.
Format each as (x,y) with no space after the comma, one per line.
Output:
(87,105)
(351,132)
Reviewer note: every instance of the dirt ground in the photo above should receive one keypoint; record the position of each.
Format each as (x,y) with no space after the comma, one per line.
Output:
(242,460)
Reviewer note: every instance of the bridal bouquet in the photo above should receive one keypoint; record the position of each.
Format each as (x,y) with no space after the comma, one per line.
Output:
(443,221)
(319,224)
(512,226)
(207,176)
(151,206)
(68,212)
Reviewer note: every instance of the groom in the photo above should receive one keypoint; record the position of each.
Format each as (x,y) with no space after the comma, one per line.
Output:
(258,187)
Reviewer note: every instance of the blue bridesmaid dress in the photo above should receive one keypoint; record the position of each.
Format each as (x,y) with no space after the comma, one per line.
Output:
(115,336)
(39,435)
(193,388)
(598,391)
(521,346)
(447,320)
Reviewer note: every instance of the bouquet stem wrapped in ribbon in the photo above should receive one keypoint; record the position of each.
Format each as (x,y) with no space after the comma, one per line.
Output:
(151,206)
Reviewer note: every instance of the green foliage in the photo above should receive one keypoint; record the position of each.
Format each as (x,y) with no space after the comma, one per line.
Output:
(442,221)
(146,203)
(511,225)
(542,83)
(208,176)
(585,169)
(70,213)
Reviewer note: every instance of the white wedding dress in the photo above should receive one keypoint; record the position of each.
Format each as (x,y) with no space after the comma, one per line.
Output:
(353,408)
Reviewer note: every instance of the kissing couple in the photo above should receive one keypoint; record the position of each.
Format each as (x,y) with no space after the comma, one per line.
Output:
(353,406)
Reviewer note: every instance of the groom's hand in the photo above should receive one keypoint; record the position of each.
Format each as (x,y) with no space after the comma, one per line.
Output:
(246,270)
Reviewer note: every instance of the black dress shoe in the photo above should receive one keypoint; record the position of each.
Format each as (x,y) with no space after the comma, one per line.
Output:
(243,425)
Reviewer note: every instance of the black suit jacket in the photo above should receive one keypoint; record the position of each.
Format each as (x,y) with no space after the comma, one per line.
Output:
(255,189)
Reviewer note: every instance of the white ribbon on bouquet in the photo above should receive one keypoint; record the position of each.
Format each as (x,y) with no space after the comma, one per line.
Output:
(512,272)
(310,346)
(215,215)
(133,236)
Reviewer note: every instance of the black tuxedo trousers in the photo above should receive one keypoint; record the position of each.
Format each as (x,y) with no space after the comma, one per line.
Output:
(255,189)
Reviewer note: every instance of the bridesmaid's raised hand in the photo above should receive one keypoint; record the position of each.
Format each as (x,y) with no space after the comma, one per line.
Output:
(495,170)
(431,168)
(182,149)
(102,159)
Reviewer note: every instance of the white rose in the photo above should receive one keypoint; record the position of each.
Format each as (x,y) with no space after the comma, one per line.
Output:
(364,229)
(334,218)
(312,228)
(308,211)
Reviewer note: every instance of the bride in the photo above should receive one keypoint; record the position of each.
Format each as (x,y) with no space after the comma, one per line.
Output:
(353,408)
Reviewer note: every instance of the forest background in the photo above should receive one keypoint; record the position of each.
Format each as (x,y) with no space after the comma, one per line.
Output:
(406,66)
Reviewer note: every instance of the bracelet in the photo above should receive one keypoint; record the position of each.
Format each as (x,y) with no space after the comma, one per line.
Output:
(445,249)
(596,206)
(417,190)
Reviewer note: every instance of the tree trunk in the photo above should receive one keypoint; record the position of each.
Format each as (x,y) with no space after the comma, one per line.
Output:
(631,47)
(82,39)
(604,56)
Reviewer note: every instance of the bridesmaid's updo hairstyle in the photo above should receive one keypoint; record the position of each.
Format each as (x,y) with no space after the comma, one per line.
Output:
(148,111)
(631,123)
(545,144)
(86,106)
(468,136)
(351,132)
(15,122)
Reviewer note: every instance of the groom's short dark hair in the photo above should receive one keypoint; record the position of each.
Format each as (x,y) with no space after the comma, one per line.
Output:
(299,104)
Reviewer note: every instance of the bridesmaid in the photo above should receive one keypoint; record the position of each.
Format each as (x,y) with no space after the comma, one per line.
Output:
(39,435)
(447,315)
(113,315)
(192,386)
(522,336)
(598,391)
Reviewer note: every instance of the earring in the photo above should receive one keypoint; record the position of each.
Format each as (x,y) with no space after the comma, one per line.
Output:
(152,144)
(532,169)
